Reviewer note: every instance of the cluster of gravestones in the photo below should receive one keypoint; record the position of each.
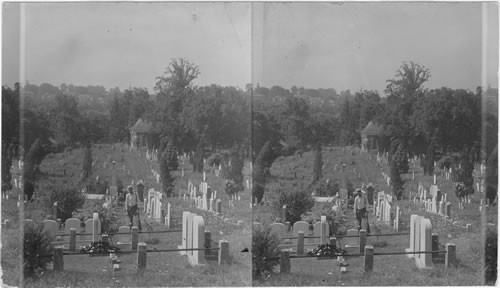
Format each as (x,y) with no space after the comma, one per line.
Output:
(152,155)
(434,201)
(208,201)
(75,231)
(384,211)
(300,235)
(153,205)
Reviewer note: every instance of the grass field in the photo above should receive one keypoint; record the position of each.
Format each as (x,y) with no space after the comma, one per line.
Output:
(398,270)
(163,269)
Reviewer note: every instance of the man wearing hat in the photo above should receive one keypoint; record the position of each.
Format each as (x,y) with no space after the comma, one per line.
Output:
(360,205)
(131,202)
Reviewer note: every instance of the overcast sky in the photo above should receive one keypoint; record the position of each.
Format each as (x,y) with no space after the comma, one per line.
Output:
(315,45)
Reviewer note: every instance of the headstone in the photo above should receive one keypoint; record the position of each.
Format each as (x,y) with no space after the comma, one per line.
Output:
(317,231)
(50,228)
(198,256)
(279,229)
(300,226)
(72,223)
(219,206)
(185,225)
(434,204)
(124,238)
(413,220)
(425,260)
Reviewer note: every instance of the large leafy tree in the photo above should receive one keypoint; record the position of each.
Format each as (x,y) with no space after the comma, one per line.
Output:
(173,88)
(66,121)
(295,118)
(31,167)
(402,92)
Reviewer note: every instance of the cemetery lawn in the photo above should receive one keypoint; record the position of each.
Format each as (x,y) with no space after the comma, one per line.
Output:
(163,268)
(394,270)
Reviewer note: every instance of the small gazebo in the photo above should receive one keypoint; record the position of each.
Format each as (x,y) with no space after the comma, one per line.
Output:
(140,133)
(370,135)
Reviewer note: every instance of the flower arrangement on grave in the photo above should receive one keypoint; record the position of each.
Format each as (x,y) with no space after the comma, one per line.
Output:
(327,250)
(99,247)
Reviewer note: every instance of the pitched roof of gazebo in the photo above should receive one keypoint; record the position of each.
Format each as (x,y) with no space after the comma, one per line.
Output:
(372,129)
(141,126)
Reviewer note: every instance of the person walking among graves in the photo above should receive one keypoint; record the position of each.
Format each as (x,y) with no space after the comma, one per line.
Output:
(360,206)
(131,204)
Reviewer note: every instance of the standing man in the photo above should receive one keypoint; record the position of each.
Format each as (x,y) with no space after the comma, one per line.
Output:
(131,201)
(360,205)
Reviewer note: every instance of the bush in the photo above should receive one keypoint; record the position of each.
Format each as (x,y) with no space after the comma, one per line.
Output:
(265,252)
(335,221)
(68,200)
(232,187)
(297,203)
(445,162)
(490,259)
(214,159)
(236,169)
(107,216)
(36,244)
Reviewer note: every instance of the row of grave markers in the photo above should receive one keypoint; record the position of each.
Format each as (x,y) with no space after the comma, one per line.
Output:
(320,230)
(153,205)
(92,226)
(208,201)
(434,202)
(383,210)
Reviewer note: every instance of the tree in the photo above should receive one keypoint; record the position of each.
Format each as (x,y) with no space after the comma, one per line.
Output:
(398,165)
(462,173)
(65,120)
(260,171)
(297,203)
(198,156)
(318,163)
(402,92)
(236,169)
(264,129)
(396,181)
(295,117)
(173,89)
(167,182)
(68,199)
(171,156)
(87,161)
(429,159)
(32,167)
(349,119)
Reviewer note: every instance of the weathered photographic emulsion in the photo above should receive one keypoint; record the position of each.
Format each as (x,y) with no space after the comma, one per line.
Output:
(241,144)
